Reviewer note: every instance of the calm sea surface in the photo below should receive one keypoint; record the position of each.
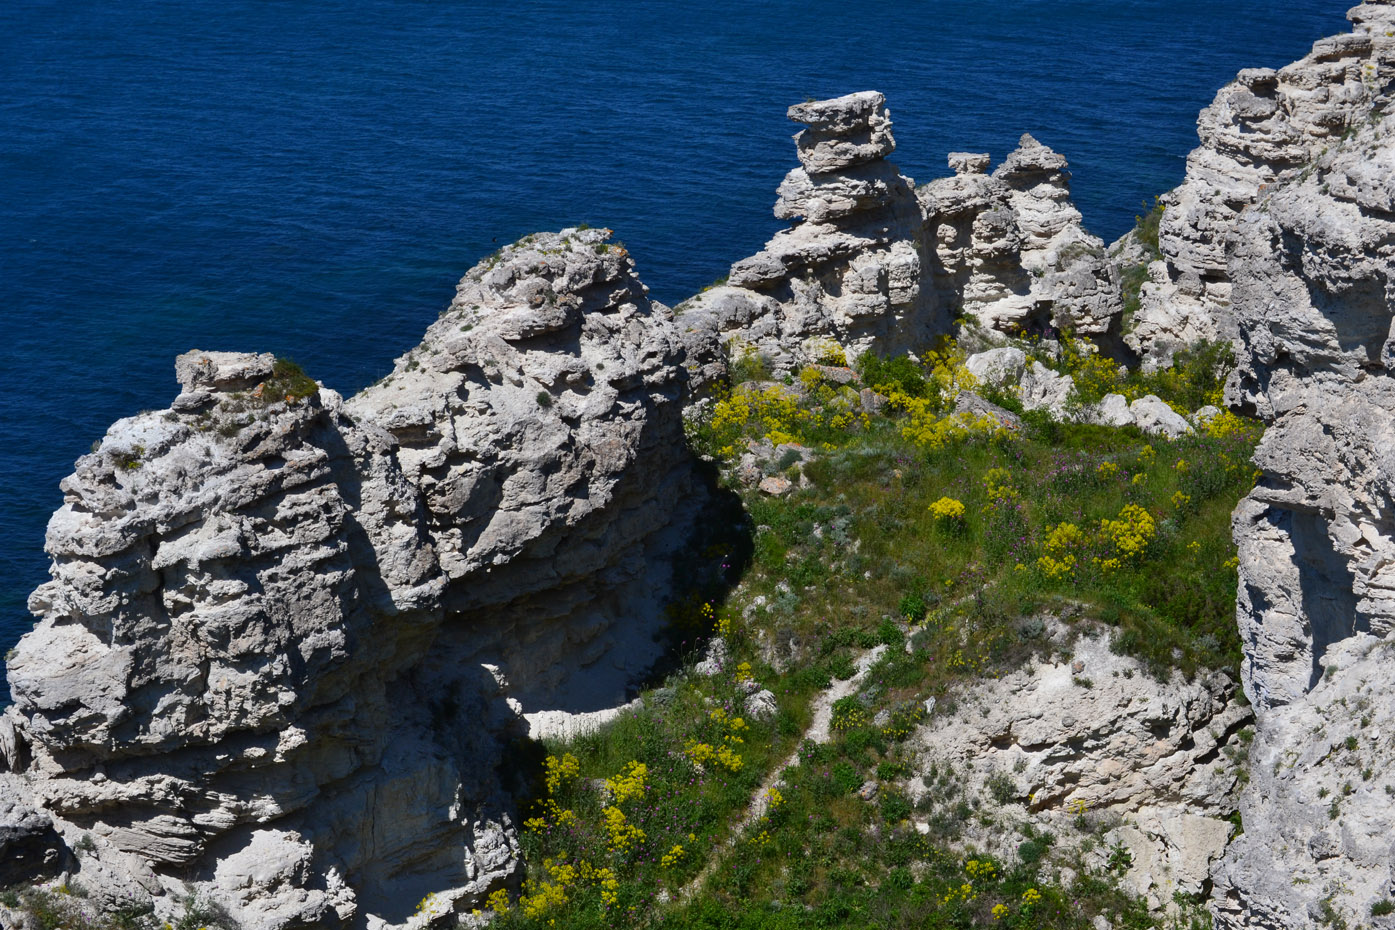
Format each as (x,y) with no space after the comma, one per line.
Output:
(312,178)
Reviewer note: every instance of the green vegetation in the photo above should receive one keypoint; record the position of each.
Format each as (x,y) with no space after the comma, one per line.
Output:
(946,537)
(66,907)
(288,382)
(1195,379)
(1133,277)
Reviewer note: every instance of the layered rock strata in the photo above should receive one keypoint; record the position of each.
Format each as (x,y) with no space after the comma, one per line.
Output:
(1010,250)
(1311,271)
(848,272)
(872,264)
(288,639)
(1091,736)
(1263,129)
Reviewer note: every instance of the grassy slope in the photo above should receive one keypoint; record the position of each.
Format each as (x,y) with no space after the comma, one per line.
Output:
(858,558)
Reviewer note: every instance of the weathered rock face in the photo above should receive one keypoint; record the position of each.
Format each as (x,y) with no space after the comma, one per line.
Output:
(276,651)
(1312,268)
(541,417)
(1264,128)
(874,265)
(1011,249)
(1149,761)
(849,272)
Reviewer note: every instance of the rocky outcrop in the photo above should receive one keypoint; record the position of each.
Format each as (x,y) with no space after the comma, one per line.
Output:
(848,272)
(1152,763)
(1312,272)
(872,264)
(541,419)
(1011,251)
(288,639)
(1265,128)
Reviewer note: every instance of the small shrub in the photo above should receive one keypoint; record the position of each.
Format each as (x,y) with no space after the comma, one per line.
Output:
(895,807)
(845,777)
(288,382)
(899,373)
(750,365)
(1002,788)
(1032,850)
(912,607)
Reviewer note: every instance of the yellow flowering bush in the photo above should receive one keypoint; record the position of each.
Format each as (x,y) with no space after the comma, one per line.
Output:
(831,353)
(947,509)
(1226,424)
(728,730)
(498,901)
(729,759)
(1057,560)
(623,835)
(699,753)
(848,714)
(949,373)
(629,784)
(997,484)
(673,857)
(772,412)
(540,897)
(1094,373)
(1129,534)
(930,431)
(980,870)
(559,771)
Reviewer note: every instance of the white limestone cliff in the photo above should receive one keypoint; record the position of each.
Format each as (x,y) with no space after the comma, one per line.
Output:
(288,640)
(1312,272)
(1265,128)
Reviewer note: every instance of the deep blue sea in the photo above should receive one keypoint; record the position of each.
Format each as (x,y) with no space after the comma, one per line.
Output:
(311,178)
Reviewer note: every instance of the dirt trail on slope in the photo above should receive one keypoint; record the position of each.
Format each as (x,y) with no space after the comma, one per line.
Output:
(820,730)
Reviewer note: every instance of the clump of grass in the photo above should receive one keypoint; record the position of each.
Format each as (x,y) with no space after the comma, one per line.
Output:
(288,383)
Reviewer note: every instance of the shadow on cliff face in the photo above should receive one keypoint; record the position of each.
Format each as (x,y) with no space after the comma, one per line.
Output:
(1329,603)
(709,568)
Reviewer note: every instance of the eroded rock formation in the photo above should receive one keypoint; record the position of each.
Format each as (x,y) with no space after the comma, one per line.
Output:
(1265,128)
(1311,271)
(1152,763)
(848,272)
(1010,249)
(872,264)
(278,651)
